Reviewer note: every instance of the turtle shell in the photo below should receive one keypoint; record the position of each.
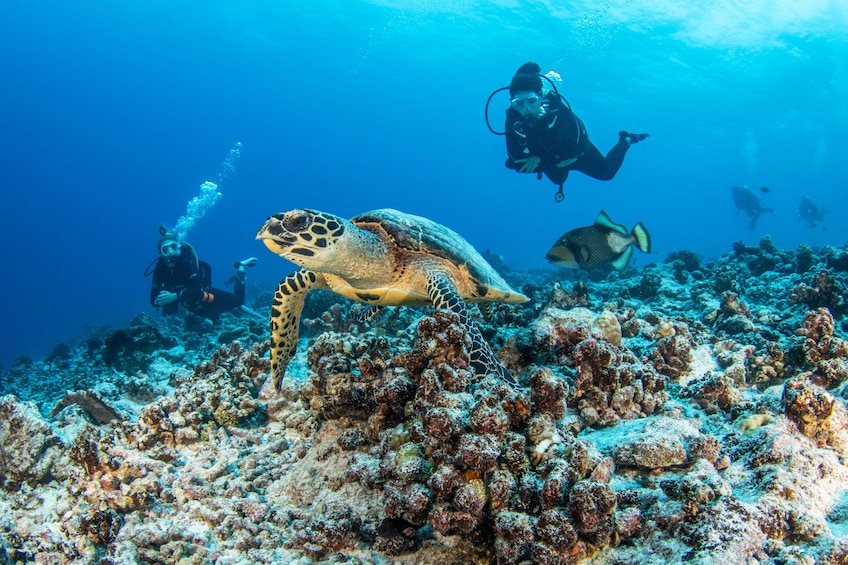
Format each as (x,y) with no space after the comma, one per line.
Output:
(418,234)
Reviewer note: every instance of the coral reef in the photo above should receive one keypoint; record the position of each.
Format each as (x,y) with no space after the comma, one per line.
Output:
(679,413)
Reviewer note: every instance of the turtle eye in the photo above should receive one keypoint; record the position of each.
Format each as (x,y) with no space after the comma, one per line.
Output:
(297,221)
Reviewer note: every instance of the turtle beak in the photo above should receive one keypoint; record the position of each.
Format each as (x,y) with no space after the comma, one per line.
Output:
(274,235)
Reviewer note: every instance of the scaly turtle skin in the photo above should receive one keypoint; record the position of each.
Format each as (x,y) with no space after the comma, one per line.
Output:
(380,258)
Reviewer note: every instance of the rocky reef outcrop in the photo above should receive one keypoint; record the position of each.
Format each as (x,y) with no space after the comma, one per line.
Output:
(676,413)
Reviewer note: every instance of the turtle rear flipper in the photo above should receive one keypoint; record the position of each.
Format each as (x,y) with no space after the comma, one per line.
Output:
(367,312)
(483,361)
(285,318)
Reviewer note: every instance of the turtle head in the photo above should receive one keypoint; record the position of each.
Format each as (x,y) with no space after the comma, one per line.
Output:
(305,237)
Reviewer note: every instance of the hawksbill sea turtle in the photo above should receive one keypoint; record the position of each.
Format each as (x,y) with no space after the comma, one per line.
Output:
(380,258)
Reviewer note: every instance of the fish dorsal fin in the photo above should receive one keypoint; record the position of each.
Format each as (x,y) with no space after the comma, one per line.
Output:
(620,263)
(604,220)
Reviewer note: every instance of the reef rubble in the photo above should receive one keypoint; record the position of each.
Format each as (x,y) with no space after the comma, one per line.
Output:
(674,413)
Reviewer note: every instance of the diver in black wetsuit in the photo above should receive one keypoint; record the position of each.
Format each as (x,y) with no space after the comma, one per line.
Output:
(811,213)
(179,277)
(543,135)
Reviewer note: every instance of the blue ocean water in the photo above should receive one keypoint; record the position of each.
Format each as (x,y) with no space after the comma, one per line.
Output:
(114,114)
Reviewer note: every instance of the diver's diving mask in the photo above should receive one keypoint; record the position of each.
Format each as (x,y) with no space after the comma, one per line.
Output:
(526,102)
(169,249)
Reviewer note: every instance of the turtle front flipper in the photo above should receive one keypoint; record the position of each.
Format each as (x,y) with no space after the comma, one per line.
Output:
(445,297)
(285,318)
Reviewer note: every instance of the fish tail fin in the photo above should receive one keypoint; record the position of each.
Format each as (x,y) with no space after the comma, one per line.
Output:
(643,237)
(620,263)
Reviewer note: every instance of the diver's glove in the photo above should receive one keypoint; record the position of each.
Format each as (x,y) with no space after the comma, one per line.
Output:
(529,164)
(165,297)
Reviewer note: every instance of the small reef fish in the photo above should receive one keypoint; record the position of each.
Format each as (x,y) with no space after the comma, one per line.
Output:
(602,243)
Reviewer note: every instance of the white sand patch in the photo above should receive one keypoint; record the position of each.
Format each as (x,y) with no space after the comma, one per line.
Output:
(702,362)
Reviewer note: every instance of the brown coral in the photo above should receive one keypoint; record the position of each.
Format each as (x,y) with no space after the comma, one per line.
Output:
(809,406)
(673,352)
(610,382)
(714,392)
(825,292)
(591,505)
(318,536)
(101,526)
(819,340)
(548,392)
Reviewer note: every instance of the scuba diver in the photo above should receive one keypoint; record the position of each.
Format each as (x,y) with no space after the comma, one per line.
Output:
(746,200)
(544,136)
(179,277)
(811,213)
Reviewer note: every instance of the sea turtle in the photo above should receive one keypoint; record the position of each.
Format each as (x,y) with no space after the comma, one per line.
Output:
(381,258)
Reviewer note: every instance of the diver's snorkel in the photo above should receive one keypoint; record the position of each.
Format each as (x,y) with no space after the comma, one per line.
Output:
(492,95)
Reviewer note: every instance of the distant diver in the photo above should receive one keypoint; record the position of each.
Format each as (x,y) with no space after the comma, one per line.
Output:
(181,278)
(544,136)
(600,244)
(747,201)
(811,213)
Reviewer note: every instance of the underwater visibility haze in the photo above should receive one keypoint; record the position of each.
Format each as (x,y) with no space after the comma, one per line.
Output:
(115,114)
(685,404)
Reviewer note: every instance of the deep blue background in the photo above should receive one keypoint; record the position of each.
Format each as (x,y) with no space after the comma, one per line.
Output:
(113,113)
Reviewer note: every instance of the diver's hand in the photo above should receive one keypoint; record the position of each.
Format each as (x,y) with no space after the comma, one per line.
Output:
(529,164)
(165,297)
(566,162)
